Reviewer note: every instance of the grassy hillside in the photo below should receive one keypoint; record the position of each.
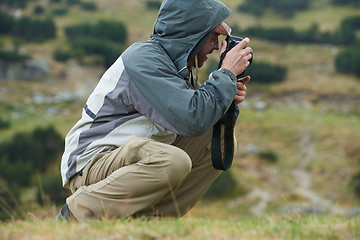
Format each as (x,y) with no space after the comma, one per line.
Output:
(311,123)
(198,229)
(189,228)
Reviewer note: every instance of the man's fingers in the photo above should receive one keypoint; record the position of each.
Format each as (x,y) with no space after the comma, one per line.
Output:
(245,79)
(243,43)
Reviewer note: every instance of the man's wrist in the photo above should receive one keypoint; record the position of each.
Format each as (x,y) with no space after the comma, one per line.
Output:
(229,73)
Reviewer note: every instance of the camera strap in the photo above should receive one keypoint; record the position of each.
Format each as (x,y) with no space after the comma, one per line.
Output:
(218,161)
(228,120)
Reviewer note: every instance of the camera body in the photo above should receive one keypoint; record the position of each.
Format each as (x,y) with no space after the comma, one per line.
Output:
(232,41)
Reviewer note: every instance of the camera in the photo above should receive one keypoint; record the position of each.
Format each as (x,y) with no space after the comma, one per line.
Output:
(232,41)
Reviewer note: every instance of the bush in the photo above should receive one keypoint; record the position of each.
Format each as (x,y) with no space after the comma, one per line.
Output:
(345,2)
(265,73)
(61,55)
(348,61)
(268,156)
(286,8)
(6,23)
(51,190)
(60,11)
(15,3)
(34,29)
(92,46)
(356,184)
(286,34)
(224,186)
(88,6)
(9,196)
(38,10)
(260,72)
(153,4)
(28,152)
(107,30)
(3,123)
(73,2)
(346,34)
(13,56)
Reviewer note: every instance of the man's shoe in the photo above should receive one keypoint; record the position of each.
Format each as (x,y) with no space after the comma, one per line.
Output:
(64,214)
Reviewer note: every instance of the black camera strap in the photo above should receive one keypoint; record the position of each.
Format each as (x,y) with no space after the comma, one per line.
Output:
(228,120)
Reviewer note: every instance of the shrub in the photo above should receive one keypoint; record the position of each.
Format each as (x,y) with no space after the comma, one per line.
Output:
(268,156)
(13,56)
(61,55)
(345,2)
(348,61)
(9,196)
(265,73)
(15,3)
(60,11)
(73,2)
(107,30)
(93,46)
(28,152)
(153,4)
(286,34)
(356,184)
(346,34)
(286,8)
(6,23)
(34,29)
(224,186)
(88,6)
(38,10)
(260,72)
(4,123)
(51,190)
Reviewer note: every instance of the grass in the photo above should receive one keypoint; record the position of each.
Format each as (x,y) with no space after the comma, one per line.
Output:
(270,227)
(303,103)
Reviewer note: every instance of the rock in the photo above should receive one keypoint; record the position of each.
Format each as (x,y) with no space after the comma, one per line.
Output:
(260,106)
(354,212)
(24,70)
(299,209)
(252,148)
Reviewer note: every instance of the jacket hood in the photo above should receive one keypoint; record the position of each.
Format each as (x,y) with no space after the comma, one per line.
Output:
(183,27)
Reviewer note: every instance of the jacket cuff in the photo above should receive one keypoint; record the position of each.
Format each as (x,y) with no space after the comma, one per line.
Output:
(229,73)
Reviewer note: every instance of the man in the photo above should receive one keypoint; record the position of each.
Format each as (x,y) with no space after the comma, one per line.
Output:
(142,146)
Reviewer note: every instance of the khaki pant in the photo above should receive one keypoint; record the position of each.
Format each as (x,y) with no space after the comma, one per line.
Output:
(144,177)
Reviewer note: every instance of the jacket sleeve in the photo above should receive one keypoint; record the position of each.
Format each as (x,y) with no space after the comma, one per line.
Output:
(184,111)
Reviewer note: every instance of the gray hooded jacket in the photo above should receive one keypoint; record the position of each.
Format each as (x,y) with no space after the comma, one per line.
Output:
(145,92)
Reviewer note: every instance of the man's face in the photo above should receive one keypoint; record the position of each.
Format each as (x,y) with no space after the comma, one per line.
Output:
(211,45)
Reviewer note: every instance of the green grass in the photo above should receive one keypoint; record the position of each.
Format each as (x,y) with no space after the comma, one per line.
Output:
(311,87)
(271,227)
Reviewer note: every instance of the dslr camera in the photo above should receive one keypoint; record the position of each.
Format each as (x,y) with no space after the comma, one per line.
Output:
(232,41)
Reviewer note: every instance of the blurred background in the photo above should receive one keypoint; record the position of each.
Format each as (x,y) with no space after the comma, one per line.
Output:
(298,132)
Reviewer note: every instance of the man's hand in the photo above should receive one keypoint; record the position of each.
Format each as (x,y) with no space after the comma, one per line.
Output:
(237,59)
(241,93)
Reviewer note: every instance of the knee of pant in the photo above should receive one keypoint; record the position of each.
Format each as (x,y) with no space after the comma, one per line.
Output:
(179,165)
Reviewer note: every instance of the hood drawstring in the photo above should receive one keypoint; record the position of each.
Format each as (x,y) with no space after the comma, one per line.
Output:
(194,71)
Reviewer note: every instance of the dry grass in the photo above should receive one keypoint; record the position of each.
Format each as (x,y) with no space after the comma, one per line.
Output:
(288,227)
(311,79)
